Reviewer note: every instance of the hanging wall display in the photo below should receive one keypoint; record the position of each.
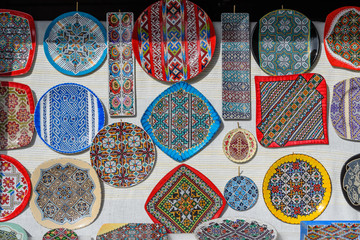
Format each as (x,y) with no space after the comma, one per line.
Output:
(60,234)
(342,37)
(75,43)
(291,110)
(349,180)
(168,202)
(173,40)
(16,115)
(68,116)
(235,46)
(122,93)
(12,231)
(285,42)
(323,230)
(181,121)
(296,188)
(18,42)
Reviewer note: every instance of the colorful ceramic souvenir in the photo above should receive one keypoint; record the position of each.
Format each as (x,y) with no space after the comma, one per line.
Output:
(345,110)
(122,154)
(173,40)
(68,116)
(60,234)
(16,115)
(75,43)
(183,199)
(296,188)
(129,231)
(15,188)
(12,231)
(67,194)
(235,228)
(121,64)
(17,42)
(236,70)
(181,121)
(350,181)
(291,110)
(285,42)
(324,230)
(342,37)
(239,145)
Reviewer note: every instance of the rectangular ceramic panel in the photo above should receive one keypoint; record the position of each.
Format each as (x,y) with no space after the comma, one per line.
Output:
(329,230)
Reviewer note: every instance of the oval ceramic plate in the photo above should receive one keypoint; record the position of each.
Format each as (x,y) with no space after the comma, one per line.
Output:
(67,194)
(286,43)
(60,234)
(145,231)
(15,188)
(296,188)
(173,40)
(12,231)
(122,154)
(68,116)
(349,180)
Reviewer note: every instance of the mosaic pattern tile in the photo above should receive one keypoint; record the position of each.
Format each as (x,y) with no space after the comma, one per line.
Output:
(323,230)
(60,234)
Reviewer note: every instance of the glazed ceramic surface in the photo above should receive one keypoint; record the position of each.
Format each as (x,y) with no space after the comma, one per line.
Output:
(12,231)
(350,181)
(60,234)
(322,230)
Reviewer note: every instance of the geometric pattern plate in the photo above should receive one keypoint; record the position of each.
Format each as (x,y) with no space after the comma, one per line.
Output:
(239,145)
(291,110)
(350,181)
(130,231)
(324,230)
(345,109)
(68,116)
(181,121)
(173,40)
(75,43)
(15,188)
(296,188)
(16,115)
(67,194)
(183,199)
(235,228)
(12,231)
(342,37)
(122,154)
(60,234)
(17,42)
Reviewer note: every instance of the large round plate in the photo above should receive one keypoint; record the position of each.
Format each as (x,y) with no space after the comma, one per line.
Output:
(122,154)
(68,116)
(11,231)
(278,65)
(349,180)
(66,194)
(296,188)
(173,40)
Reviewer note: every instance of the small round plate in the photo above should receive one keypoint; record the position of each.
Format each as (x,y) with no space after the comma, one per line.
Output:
(60,234)
(241,193)
(349,180)
(67,194)
(122,154)
(12,231)
(296,188)
(239,145)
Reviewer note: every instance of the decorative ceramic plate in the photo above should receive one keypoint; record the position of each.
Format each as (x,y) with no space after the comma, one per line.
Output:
(173,40)
(66,194)
(183,199)
(291,110)
(349,180)
(75,43)
(235,228)
(68,116)
(296,188)
(239,145)
(122,154)
(323,230)
(241,193)
(345,110)
(12,231)
(129,231)
(181,121)
(285,42)
(16,115)
(17,42)
(60,234)
(341,37)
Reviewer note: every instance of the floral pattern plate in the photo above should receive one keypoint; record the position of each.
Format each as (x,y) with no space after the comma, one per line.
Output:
(12,231)
(350,181)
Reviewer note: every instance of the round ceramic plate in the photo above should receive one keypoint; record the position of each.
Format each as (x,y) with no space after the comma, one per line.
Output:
(66,194)
(349,180)
(15,188)
(75,43)
(173,40)
(286,43)
(68,116)
(296,188)
(60,234)
(239,145)
(122,154)
(12,231)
